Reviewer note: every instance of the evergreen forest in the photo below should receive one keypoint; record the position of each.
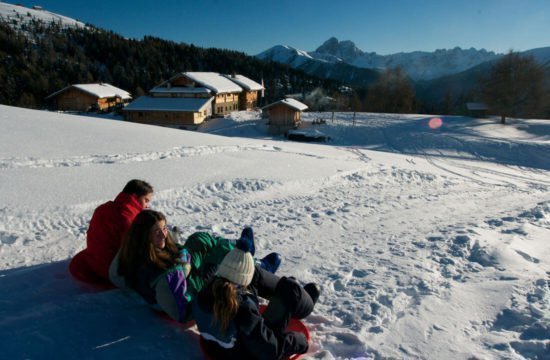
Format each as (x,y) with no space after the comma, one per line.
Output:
(42,59)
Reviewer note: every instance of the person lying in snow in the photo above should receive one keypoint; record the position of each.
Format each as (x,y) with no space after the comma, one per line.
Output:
(166,274)
(227,310)
(108,225)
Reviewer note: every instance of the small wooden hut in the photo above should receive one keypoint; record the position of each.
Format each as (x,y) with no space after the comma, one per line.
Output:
(477,109)
(284,115)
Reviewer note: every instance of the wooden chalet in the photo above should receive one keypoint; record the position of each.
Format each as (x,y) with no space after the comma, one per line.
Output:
(203,84)
(89,97)
(284,115)
(477,109)
(248,98)
(178,112)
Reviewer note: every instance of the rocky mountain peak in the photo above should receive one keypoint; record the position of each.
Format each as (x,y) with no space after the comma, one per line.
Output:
(345,50)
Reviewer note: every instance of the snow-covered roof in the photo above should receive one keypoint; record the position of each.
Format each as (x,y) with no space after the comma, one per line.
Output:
(101,90)
(295,104)
(214,81)
(477,106)
(179,90)
(150,103)
(244,82)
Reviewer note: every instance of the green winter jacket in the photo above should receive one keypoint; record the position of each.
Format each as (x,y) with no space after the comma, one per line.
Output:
(207,252)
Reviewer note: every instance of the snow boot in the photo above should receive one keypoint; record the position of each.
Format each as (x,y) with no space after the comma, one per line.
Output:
(248,236)
(271,262)
(313,290)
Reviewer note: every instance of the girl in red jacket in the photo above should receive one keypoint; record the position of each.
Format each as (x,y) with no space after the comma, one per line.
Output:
(109,224)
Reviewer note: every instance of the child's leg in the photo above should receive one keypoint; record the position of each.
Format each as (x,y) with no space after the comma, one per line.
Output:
(289,300)
(264,283)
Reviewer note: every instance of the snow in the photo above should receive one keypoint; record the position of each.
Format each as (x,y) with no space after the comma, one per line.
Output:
(22,14)
(148,103)
(429,243)
(214,81)
(287,55)
(245,82)
(179,90)
(293,103)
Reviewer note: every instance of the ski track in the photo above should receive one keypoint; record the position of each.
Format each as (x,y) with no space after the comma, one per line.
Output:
(452,249)
(108,159)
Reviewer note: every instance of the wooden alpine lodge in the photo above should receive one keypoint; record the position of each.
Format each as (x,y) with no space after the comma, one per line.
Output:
(89,97)
(187,99)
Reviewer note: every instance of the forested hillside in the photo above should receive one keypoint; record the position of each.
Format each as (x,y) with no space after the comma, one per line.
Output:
(40,60)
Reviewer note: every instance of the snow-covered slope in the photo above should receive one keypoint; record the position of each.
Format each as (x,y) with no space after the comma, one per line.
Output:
(428,235)
(287,55)
(19,15)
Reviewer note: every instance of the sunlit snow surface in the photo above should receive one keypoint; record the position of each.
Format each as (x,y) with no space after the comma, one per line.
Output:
(430,242)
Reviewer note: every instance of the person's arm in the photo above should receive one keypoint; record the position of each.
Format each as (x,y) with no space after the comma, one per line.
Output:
(171,293)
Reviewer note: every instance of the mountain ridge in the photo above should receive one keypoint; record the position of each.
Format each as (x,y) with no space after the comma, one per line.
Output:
(419,65)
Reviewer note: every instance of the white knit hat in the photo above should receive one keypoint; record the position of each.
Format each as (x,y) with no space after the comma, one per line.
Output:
(237,266)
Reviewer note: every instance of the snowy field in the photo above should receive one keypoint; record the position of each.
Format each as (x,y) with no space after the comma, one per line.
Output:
(430,242)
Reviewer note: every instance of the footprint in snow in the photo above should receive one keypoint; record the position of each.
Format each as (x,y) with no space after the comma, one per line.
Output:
(435,238)
(8,239)
(518,231)
(528,257)
(358,273)
(494,222)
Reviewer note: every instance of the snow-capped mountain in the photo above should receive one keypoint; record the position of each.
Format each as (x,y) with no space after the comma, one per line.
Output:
(321,65)
(419,65)
(18,15)
(288,55)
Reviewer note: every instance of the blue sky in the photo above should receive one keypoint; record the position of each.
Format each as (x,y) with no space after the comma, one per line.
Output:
(382,26)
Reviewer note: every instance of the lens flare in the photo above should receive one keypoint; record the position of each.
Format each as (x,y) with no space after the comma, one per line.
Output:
(435,123)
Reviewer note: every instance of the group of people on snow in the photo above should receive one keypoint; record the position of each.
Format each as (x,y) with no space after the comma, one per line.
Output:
(214,281)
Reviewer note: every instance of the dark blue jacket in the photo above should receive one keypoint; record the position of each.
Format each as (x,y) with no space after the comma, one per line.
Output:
(247,337)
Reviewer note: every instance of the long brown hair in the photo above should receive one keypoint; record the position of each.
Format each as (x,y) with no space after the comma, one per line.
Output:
(226,302)
(138,249)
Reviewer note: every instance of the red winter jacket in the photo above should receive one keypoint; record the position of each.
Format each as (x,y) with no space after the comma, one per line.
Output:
(109,224)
